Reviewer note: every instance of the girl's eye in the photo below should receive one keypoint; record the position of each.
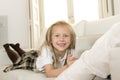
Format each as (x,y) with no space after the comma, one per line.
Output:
(66,35)
(56,35)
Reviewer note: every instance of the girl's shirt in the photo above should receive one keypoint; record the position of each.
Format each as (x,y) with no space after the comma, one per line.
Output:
(46,58)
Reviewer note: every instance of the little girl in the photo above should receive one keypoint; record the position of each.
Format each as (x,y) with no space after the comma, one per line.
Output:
(56,53)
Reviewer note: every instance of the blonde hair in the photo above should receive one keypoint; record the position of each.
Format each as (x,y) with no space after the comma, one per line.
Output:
(48,43)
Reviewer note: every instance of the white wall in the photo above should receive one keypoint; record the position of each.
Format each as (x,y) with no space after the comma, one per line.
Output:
(16,10)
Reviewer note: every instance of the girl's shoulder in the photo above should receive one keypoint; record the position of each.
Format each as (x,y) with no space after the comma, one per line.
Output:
(45,50)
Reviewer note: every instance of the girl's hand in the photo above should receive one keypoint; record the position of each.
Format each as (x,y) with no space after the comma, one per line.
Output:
(70,59)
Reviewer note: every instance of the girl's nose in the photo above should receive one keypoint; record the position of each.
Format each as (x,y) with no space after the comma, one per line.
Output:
(62,38)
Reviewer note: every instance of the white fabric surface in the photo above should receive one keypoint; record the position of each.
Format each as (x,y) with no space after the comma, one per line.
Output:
(84,43)
(21,74)
(115,63)
(96,26)
(96,60)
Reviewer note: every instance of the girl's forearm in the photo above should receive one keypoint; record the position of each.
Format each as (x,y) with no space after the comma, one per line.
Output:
(56,72)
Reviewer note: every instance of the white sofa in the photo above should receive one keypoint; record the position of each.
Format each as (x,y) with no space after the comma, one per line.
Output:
(88,31)
(87,34)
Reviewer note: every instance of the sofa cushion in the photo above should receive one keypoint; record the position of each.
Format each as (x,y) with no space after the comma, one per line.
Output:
(80,28)
(84,43)
(96,26)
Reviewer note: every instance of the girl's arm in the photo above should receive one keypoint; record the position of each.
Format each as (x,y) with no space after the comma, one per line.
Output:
(52,72)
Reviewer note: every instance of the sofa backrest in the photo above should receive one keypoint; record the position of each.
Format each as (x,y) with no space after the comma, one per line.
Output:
(95,27)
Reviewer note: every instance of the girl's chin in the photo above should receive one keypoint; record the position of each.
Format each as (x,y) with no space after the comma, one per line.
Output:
(61,50)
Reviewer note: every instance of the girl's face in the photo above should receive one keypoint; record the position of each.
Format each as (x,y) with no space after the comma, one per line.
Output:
(61,38)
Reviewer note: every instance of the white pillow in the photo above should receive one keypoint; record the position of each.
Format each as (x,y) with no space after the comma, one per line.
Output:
(84,43)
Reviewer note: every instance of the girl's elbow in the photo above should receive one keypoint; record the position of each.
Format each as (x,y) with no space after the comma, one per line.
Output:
(47,75)
(50,75)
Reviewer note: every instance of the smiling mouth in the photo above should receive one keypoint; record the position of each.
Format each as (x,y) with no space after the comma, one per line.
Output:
(61,44)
